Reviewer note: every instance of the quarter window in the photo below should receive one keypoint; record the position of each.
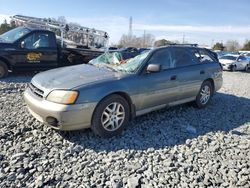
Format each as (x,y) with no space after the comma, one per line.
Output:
(205,58)
(161,57)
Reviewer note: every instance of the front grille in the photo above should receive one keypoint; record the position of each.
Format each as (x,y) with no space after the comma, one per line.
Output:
(35,90)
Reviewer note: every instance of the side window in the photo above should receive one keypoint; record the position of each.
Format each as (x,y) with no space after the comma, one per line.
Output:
(161,57)
(38,40)
(242,58)
(182,58)
(29,41)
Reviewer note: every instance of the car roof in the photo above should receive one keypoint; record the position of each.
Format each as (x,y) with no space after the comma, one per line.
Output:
(177,46)
(36,29)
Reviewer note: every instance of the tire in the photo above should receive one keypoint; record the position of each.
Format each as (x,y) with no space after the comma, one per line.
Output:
(233,69)
(110,116)
(3,70)
(248,68)
(206,91)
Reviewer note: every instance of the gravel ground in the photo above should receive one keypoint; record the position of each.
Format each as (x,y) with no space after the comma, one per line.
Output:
(176,147)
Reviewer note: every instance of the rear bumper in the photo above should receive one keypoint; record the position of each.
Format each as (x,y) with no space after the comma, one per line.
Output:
(218,82)
(69,117)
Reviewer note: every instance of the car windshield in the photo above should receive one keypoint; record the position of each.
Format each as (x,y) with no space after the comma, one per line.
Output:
(14,34)
(114,61)
(228,57)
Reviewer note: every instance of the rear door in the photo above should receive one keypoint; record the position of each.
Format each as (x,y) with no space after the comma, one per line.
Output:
(190,72)
(37,51)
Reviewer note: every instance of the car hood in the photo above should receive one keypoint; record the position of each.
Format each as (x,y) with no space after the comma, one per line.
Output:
(73,76)
(226,61)
(5,45)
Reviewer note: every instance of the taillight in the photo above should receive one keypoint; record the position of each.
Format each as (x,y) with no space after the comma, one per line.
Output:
(221,67)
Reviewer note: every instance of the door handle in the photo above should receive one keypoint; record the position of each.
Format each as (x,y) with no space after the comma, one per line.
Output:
(173,77)
(202,72)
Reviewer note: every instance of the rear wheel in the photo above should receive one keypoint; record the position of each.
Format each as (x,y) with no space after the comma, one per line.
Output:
(3,70)
(204,95)
(110,116)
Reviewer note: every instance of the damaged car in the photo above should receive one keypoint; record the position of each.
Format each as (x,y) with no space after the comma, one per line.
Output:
(106,94)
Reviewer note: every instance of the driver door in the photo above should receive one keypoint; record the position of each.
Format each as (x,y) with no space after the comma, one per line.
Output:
(157,88)
(37,51)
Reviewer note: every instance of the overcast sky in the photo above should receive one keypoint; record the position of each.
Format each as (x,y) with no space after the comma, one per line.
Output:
(202,22)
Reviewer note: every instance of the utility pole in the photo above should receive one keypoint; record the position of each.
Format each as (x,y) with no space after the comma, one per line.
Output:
(183,38)
(144,38)
(130,29)
(130,26)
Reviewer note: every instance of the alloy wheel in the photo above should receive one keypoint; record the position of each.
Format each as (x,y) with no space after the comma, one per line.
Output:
(205,94)
(113,116)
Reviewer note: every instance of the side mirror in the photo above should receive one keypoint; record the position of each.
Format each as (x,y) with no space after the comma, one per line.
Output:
(153,68)
(22,45)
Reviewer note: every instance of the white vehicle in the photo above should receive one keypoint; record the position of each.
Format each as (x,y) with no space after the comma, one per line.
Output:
(234,62)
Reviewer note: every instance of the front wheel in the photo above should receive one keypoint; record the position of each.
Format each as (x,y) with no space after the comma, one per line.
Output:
(204,95)
(248,68)
(110,116)
(233,69)
(3,70)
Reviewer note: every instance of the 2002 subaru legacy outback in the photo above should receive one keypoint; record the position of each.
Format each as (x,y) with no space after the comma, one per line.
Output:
(105,94)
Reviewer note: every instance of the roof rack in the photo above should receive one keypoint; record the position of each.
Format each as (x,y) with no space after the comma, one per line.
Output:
(78,35)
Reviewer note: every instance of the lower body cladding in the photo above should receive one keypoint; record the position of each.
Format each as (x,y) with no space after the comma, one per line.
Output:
(60,116)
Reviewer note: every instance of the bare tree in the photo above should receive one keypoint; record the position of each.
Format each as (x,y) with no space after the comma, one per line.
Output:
(246,45)
(62,19)
(232,45)
(146,40)
(164,42)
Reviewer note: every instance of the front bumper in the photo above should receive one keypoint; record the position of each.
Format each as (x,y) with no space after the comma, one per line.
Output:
(227,66)
(69,117)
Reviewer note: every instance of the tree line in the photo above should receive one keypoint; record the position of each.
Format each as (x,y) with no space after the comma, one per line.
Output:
(232,46)
(148,40)
(4,27)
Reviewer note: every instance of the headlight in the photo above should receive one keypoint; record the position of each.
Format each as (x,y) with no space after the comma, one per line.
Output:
(62,96)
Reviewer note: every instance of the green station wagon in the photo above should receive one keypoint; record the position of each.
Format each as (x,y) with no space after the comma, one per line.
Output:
(107,93)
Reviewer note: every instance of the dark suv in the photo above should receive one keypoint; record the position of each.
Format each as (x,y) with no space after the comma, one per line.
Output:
(105,94)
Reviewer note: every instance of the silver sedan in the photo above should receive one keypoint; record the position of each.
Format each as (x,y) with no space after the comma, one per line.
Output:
(234,62)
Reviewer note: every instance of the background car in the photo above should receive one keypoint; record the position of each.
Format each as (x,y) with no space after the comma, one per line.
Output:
(234,62)
(247,55)
(221,53)
(129,52)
